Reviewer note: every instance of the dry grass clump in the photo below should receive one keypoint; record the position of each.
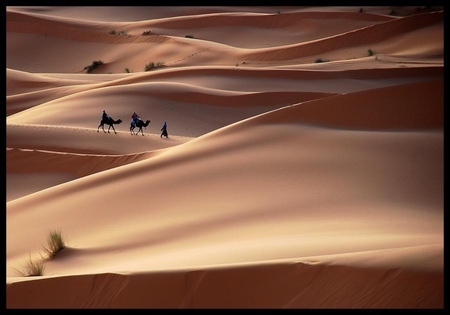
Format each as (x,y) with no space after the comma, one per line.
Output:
(93,65)
(55,243)
(152,65)
(33,268)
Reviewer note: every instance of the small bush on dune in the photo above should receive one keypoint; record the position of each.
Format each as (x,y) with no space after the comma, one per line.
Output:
(189,36)
(320,60)
(127,70)
(153,65)
(93,65)
(32,268)
(55,243)
(35,268)
(112,32)
(370,52)
(145,33)
(149,66)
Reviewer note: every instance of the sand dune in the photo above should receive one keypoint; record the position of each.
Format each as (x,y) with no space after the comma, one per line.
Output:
(284,183)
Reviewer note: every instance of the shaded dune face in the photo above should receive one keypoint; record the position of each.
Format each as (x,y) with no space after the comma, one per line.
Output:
(303,166)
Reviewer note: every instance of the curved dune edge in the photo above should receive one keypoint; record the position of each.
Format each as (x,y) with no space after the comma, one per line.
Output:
(20,102)
(22,22)
(180,92)
(372,34)
(77,164)
(283,284)
(85,141)
(377,109)
(368,35)
(371,110)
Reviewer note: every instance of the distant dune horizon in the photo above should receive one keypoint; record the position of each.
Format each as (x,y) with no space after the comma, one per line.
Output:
(303,167)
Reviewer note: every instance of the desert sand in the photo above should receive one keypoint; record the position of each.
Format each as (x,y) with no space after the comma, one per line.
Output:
(303,168)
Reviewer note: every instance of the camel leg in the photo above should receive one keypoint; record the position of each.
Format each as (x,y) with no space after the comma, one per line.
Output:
(113,129)
(103,128)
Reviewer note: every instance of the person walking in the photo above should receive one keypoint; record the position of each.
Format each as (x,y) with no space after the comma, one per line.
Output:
(164,131)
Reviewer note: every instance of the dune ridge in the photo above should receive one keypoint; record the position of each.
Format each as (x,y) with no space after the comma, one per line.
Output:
(369,35)
(199,289)
(417,111)
(21,100)
(284,182)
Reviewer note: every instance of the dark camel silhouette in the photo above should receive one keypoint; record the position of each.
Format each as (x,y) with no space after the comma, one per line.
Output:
(139,124)
(109,121)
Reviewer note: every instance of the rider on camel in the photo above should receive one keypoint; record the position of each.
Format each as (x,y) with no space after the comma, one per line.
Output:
(135,118)
(105,116)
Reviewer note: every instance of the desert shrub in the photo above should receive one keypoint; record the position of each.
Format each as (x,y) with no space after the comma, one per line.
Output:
(55,243)
(35,268)
(319,60)
(189,36)
(149,66)
(127,70)
(122,33)
(32,268)
(93,65)
(370,52)
(112,32)
(153,65)
(144,33)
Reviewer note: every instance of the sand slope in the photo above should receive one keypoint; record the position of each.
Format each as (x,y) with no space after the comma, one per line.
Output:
(284,183)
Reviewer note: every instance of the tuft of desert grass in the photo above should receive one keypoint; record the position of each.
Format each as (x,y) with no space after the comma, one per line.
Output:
(32,268)
(93,65)
(55,243)
(152,65)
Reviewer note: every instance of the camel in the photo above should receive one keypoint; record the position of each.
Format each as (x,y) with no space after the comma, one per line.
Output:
(139,124)
(109,121)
